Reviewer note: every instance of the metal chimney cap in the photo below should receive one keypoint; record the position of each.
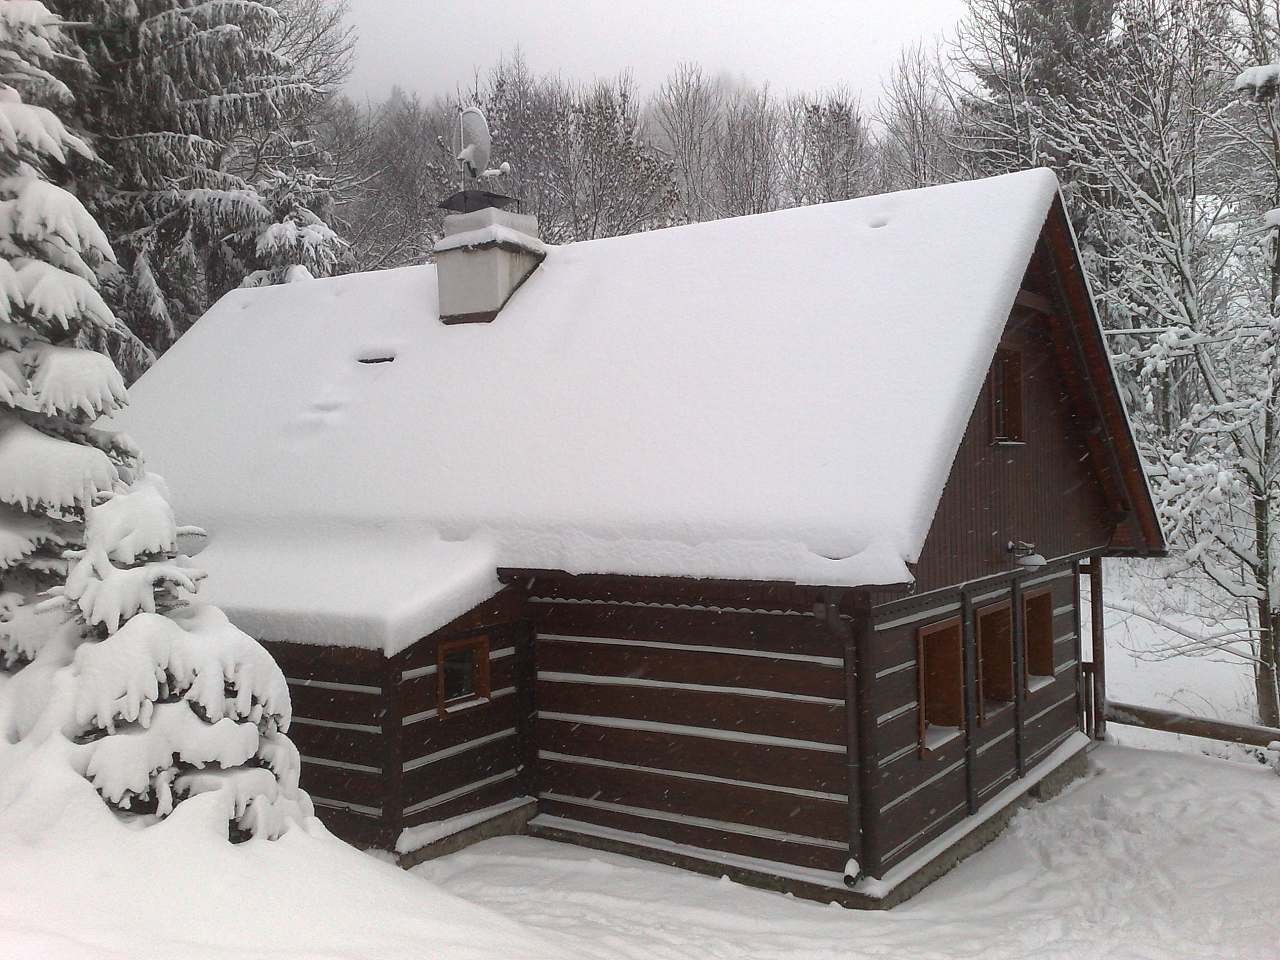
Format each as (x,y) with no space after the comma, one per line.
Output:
(468,201)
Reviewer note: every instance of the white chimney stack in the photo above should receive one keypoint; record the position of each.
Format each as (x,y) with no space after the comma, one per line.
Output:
(482,259)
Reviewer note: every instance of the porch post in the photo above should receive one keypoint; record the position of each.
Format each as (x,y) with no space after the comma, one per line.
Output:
(1099,731)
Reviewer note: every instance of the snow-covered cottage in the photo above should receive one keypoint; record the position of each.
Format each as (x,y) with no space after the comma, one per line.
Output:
(751,546)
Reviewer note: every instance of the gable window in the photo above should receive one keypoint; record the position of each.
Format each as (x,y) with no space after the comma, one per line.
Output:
(462,672)
(940,676)
(994,625)
(1006,397)
(1038,617)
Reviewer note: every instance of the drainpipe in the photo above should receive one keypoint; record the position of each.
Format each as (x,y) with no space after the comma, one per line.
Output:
(860,750)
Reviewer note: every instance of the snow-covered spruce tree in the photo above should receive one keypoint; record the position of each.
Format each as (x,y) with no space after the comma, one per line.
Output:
(161,698)
(52,461)
(171,84)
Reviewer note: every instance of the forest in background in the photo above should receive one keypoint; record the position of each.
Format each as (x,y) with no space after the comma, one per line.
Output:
(225,154)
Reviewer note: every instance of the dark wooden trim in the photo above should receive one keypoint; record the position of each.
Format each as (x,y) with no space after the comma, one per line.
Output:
(864,743)
(481,316)
(1017,606)
(1098,630)
(1078,646)
(968,641)
(1170,721)
(526,673)
(392,732)
(1087,336)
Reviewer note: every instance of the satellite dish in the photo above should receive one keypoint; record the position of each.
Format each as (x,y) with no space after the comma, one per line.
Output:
(473,157)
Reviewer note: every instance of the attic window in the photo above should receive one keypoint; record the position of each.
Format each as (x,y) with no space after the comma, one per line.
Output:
(462,672)
(1006,397)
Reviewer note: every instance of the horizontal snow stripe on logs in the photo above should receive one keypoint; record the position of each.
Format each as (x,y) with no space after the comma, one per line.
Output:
(915,841)
(494,793)
(775,765)
(1048,577)
(1050,724)
(997,762)
(908,667)
(580,655)
(1064,667)
(795,720)
(1065,638)
(763,809)
(338,706)
(896,712)
(456,749)
(694,648)
(335,743)
(456,708)
(896,689)
(789,791)
(693,834)
(1065,610)
(551,676)
(459,792)
(331,685)
(364,829)
(909,772)
(448,773)
(761,633)
(709,733)
(341,764)
(329,803)
(435,732)
(915,812)
(349,786)
(305,661)
(936,612)
(902,730)
(924,784)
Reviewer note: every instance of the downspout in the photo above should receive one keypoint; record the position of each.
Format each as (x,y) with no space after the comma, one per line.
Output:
(854,636)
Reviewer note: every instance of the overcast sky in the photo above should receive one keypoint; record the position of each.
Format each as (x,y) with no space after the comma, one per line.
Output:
(431,46)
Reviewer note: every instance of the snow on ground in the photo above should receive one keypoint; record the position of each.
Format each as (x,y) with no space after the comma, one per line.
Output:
(76,883)
(1216,684)
(1156,856)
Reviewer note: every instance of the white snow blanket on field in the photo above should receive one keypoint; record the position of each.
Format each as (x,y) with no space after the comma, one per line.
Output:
(769,397)
(1156,856)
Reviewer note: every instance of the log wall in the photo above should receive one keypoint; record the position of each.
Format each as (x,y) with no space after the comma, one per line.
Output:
(918,794)
(717,728)
(376,754)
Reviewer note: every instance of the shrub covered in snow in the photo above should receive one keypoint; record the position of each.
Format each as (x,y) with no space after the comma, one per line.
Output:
(161,698)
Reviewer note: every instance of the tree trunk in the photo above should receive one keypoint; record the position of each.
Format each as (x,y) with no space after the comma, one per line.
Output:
(1264,673)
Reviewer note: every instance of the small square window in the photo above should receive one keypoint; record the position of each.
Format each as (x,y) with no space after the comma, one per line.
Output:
(940,674)
(1038,617)
(1006,397)
(462,672)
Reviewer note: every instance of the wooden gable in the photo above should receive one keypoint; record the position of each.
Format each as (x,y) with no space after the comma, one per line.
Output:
(1071,481)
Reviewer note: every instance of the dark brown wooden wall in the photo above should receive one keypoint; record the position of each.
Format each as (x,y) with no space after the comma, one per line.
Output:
(711,727)
(917,795)
(377,757)
(1043,491)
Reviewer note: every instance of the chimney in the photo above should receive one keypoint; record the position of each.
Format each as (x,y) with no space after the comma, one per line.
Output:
(485,254)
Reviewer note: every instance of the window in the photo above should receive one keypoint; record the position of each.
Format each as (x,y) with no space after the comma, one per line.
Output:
(940,674)
(1038,617)
(994,626)
(462,672)
(1006,397)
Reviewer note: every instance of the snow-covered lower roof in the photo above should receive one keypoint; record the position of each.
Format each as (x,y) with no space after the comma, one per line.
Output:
(775,397)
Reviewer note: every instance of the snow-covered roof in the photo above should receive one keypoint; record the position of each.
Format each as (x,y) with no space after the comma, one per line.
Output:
(775,397)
